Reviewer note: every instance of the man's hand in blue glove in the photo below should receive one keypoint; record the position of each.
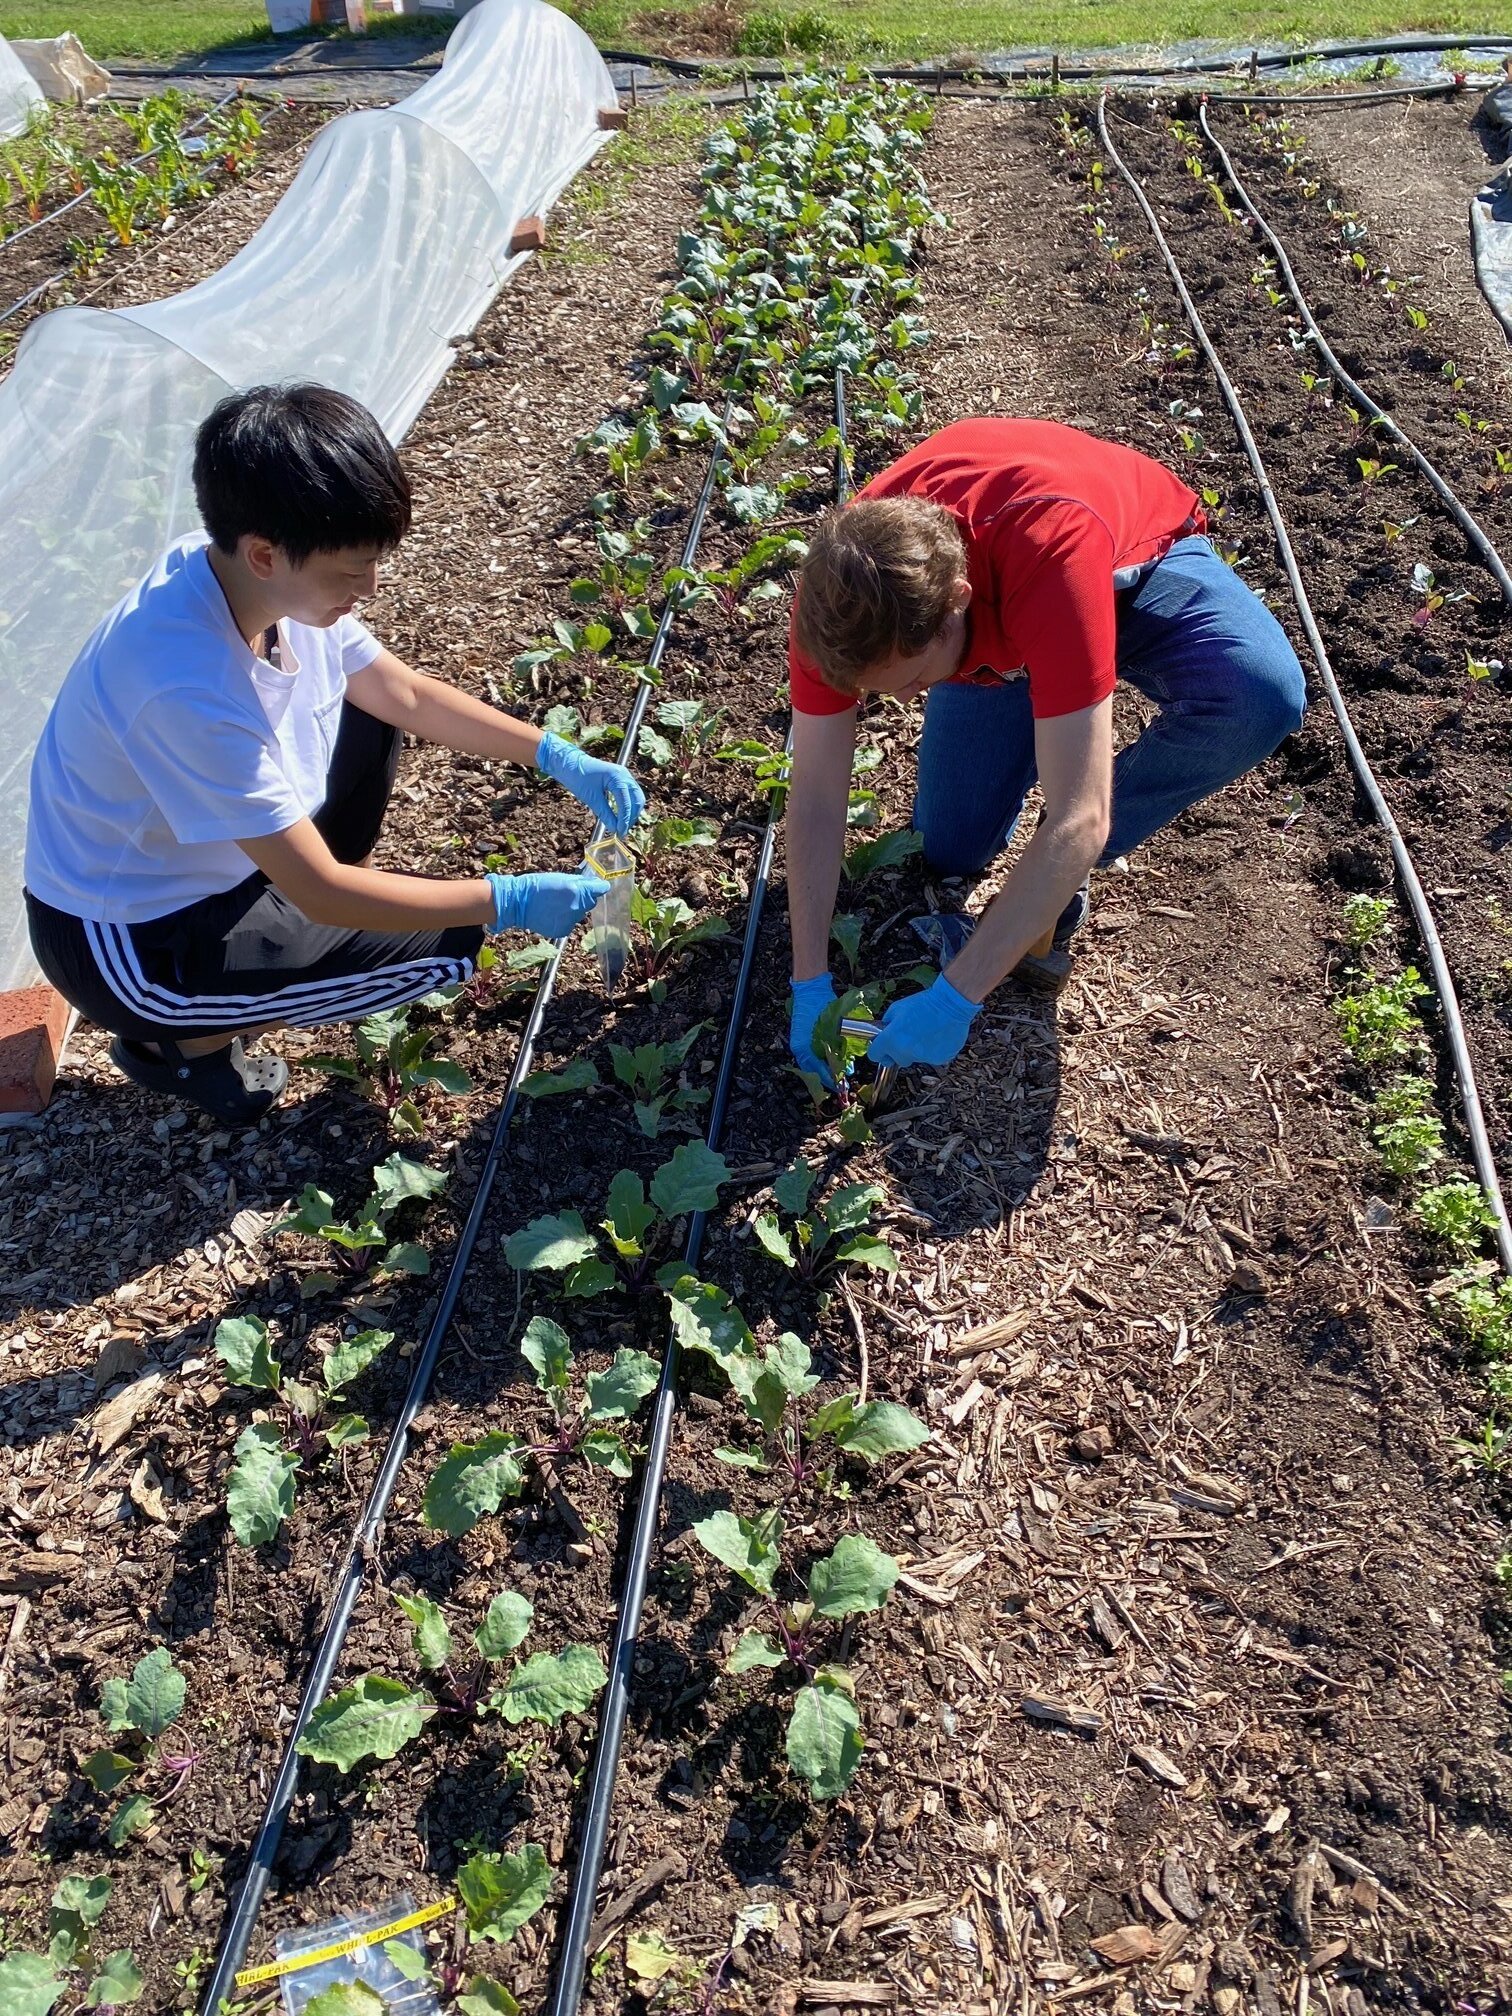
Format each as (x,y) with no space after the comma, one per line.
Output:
(810,999)
(550,905)
(607,789)
(927,1028)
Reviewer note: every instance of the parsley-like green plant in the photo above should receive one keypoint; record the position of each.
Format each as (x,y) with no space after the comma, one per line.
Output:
(1458,1214)
(1409,1135)
(309,1421)
(1365,918)
(1378,1022)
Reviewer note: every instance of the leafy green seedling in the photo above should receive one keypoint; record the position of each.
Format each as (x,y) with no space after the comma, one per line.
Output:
(830,1234)
(1365,918)
(664,836)
(824,1738)
(363,1246)
(1379,1022)
(621,583)
(579,1075)
(626,450)
(31,1984)
(772,1384)
(837,1050)
(1409,1136)
(888,850)
(567,641)
(652,1071)
(499,976)
(1457,1213)
(1432,598)
(312,1424)
(684,733)
(671,929)
(1371,470)
(846,932)
(376,1716)
(1483,1310)
(141,1710)
(639,1226)
(476,1477)
(771,768)
(392,1068)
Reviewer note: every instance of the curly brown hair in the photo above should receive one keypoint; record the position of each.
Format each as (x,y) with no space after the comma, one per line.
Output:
(879,579)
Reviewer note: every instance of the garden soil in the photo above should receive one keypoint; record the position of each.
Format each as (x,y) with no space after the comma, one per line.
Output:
(1196,1494)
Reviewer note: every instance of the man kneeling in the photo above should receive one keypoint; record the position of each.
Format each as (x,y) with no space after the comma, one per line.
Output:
(216,768)
(1015,570)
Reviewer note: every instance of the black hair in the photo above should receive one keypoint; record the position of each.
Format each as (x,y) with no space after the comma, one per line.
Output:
(303,466)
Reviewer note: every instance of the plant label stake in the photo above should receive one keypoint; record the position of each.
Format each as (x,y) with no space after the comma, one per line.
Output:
(882,1084)
(609,930)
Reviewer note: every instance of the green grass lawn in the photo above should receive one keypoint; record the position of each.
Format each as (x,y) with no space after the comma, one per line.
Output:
(168,28)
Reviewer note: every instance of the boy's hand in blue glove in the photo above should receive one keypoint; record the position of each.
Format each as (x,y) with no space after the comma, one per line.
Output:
(926,1028)
(607,789)
(810,999)
(549,905)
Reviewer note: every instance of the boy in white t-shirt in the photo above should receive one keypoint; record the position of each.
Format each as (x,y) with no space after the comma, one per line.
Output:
(215,770)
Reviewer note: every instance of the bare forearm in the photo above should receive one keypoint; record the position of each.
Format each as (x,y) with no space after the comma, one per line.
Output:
(370,899)
(1042,884)
(815,849)
(432,711)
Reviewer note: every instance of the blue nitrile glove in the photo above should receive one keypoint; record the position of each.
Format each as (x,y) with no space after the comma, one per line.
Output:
(927,1028)
(607,789)
(810,999)
(549,905)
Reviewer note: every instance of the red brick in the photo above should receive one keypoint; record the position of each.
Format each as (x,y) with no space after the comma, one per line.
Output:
(33,1022)
(529,236)
(613,118)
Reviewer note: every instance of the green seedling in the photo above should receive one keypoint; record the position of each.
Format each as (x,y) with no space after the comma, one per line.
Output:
(310,1423)
(837,1050)
(1482,1309)
(1379,1022)
(739,591)
(669,835)
(772,1385)
(626,449)
(889,850)
(1365,918)
(1371,471)
(824,1738)
(375,1717)
(392,1069)
(1417,318)
(671,929)
(639,1227)
(772,768)
(1409,1136)
(567,641)
(845,931)
(652,1072)
(1488,1451)
(684,731)
(233,136)
(1432,598)
(363,1246)
(498,977)
(140,1711)
(621,583)
(475,1478)
(829,1235)
(1457,1214)
(32,1984)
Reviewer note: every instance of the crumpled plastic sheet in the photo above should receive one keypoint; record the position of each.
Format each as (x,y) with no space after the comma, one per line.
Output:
(1491,218)
(392,239)
(63,69)
(19,94)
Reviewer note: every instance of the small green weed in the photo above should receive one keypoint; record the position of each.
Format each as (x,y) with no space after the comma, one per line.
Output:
(1456,1213)
(1379,1022)
(1365,918)
(1409,1136)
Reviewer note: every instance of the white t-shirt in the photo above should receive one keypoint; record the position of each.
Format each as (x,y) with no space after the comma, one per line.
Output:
(171,740)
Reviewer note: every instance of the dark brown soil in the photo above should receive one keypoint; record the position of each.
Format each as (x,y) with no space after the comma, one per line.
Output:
(1207,1491)
(159,261)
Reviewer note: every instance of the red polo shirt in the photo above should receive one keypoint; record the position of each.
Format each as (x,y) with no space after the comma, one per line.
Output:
(1054,521)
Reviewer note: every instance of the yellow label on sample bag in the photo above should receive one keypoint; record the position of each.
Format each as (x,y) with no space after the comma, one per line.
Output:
(294,1963)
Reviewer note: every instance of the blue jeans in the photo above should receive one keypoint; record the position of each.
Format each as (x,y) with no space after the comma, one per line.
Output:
(1195,640)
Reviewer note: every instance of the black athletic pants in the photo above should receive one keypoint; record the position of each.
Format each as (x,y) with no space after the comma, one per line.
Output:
(248,957)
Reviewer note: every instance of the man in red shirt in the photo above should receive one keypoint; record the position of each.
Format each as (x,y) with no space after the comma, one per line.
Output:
(1016,570)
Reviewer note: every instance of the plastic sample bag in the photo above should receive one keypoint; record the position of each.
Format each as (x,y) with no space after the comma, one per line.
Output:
(382,1965)
(20,95)
(393,238)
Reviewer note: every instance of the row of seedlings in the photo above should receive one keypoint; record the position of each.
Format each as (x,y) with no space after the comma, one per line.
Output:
(800,1435)
(750,336)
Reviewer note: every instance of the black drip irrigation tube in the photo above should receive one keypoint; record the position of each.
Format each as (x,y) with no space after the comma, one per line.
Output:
(567,1989)
(1471,528)
(1443,980)
(367,1534)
